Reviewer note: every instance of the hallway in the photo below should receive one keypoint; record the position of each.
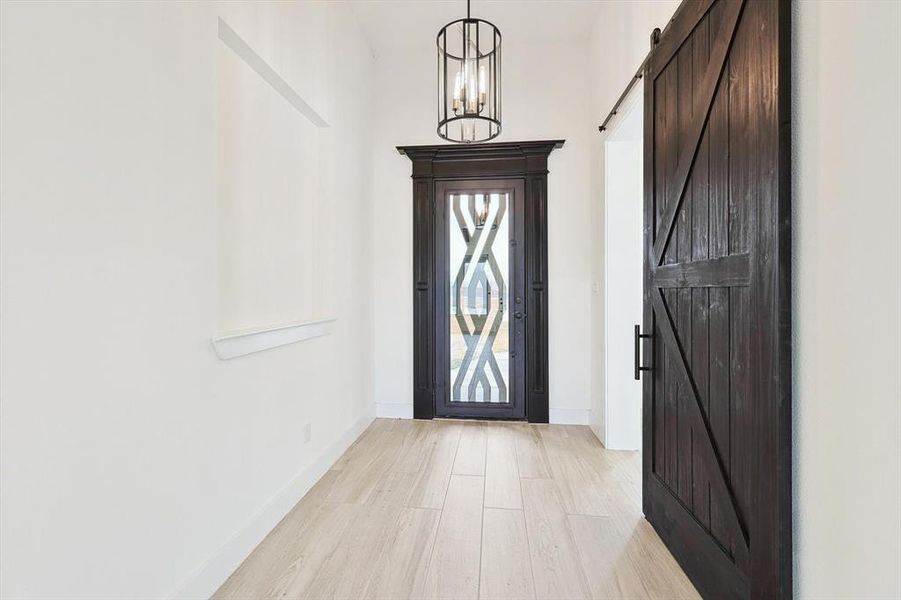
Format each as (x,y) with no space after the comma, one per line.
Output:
(467,509)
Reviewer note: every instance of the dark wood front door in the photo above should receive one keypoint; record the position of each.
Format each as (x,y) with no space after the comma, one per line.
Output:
(717,416)
(470,329)
(481,298)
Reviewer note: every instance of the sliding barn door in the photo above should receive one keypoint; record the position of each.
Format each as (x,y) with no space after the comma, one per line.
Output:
(716,299)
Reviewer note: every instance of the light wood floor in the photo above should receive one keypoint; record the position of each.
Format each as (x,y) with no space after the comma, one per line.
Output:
(458,510)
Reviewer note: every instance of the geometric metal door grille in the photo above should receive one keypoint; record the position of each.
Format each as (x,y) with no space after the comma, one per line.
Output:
(478,300)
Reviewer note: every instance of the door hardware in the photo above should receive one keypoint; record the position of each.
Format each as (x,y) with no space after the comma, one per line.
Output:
(638,336)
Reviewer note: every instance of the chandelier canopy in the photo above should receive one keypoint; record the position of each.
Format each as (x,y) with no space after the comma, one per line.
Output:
(469,80)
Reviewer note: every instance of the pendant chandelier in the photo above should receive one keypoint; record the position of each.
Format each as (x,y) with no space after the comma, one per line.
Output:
(469,80)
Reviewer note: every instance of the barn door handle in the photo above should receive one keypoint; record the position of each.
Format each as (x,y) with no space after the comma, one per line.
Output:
(638,336)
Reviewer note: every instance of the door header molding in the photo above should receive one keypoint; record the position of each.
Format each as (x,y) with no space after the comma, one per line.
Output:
(500,159)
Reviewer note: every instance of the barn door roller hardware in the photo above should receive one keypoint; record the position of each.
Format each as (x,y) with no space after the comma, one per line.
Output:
(655,38)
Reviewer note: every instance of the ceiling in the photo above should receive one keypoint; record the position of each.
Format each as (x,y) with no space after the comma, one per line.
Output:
(392,25)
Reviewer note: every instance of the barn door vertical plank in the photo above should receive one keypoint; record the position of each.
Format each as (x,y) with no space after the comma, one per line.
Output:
(682,296)
(671,159)
(719,410)
(659,200)
(700,297)
(742,200)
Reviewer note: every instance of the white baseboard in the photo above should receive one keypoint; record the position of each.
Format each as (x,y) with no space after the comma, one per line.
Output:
(393,411)
(569,416)
(206,579)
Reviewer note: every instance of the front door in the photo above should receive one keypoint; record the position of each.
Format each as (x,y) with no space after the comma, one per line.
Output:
(717,309)
(480,280)
(481,299)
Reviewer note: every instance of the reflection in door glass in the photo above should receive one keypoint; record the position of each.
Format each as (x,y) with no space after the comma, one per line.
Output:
(479,267)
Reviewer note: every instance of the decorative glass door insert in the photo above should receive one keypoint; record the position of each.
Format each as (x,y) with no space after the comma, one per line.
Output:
(479,316)
(481,302)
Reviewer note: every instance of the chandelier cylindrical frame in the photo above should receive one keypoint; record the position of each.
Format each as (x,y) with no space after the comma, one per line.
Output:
(469,81)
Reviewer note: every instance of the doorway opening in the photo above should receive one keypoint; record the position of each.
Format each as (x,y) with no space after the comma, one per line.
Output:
(620,427)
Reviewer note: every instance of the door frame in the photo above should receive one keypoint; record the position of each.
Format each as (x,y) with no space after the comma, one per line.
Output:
(526,161)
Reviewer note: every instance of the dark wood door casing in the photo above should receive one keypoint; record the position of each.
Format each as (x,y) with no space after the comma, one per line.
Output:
(526,161)
(717,403)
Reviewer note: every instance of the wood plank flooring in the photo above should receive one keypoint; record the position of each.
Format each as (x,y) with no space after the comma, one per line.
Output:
(467,510)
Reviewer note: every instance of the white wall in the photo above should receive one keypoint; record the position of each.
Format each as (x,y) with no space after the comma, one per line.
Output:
(847,328)
(274,239)
(129,454)
(548,106)
(618,44)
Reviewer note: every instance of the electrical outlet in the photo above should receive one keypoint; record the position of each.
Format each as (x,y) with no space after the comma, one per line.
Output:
(307,433)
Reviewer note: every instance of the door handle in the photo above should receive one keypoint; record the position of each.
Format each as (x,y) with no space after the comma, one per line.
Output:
(518,315)
(638,336)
